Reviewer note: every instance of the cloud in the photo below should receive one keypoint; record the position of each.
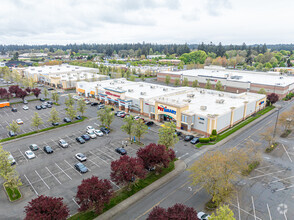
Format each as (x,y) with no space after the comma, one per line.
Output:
(215,7)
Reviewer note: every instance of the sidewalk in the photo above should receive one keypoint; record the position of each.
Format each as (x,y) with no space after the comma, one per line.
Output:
(180,166)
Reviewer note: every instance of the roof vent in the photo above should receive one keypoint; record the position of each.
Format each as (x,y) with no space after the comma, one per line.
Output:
(221,94)
(130,90)
(141,85)
(202,91)
(203,107)
(143,93)
(152,87)
(190,95)
(220,101)
(165,89)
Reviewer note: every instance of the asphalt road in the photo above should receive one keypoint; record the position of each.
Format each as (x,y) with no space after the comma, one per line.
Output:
(267,193)
(54,174)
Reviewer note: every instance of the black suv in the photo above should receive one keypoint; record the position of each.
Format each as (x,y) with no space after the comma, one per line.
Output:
(48,149)
(188,137)
(105,130)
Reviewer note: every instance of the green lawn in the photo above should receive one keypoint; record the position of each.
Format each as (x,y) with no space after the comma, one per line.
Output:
(226,133)
(123,193)
(10,193)
(42,130)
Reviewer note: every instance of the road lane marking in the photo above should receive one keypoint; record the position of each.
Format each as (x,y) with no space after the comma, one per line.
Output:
(63,171)
(42,179)
(267,174)
(253,207)
(23,155)
(114,184)
(246,212)
(98,157)
(274,181)
(269,212)
(239,211)
(106,154)
(53,175)
(287,153)
(31,185)
(93,162)
(183,155)
(76,202)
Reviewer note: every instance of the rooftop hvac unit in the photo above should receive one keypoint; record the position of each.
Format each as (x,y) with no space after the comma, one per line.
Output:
(152,87)
(67,66)
(221,94)
(39,71)
(203,107)
(119,87)
(77,67)
(130,90)
(220,101)
(165,89)
(141,85)
(111,83)
(50,67)
(190,95)
(202,92)
(58,69)
(143,93)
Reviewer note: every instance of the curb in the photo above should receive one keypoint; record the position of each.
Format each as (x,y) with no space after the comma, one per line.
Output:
(180,166)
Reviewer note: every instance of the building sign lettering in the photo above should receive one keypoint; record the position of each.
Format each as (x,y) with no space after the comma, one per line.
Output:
(165,109)
(261,102)
(112,94)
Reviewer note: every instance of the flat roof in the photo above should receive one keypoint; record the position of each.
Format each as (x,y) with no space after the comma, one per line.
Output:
(264,78)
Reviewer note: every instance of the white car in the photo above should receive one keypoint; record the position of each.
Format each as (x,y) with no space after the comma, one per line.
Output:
(203,216)
(62,143)
(76,97)
(87,102)
(25,107)
(81,157)
(98,133)
(19,121)
(29,154)
(90,128)
(91,134)
(11,159)
(120,113)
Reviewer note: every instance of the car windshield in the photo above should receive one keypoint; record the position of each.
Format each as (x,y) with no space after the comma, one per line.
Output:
(30,153)
(62,141)
(81,165)
(82,155)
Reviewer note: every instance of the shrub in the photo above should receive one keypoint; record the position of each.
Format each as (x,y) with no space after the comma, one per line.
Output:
(214,132)
(204,140)
(212,137)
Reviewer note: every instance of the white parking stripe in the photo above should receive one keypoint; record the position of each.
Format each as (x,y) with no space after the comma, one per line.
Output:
(267,174)
(72,167)
(287,153)
(98,157)
(114,184)
(239,213)
(31,185)
(253,207)
(246,211)
(53,175)
(63,171)
(42,179)
(269,212)
(23,155)
(93,162)
(106,154)
(69,138)
(76,202)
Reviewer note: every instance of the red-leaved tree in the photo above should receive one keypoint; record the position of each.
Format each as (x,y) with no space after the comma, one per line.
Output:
(21,93)
(272,98)
(178,211)
(36,92)
(156,155)
(3,91)
(126,169)
(94,193)
(28,90)
(45,207)
(13,89)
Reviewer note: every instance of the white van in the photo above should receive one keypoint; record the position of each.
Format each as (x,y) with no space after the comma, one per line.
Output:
(11,158)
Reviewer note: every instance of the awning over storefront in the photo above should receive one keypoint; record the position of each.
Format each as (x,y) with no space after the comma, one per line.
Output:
(81,90)
(92,93)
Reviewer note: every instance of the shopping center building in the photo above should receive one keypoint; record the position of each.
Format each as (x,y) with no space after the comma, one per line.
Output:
(191,109)
(236,81)
(61,76)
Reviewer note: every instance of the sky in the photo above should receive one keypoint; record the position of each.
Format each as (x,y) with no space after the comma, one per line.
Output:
(152,21)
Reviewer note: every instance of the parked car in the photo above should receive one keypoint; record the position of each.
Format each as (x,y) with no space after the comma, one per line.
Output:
(25,107)
(87,101)
(55,123)
(178,133)
(25,102)
(90,128)
(195,140)
(86,137)
(19,121)
(62,143)
(50,102)
(80,140)
(137,117)
(48,149)
(91,134)
(117,113)
(50,89)
(94,103)
(42,99)
(203,216)
(29,154)
(43,106)
(67,120)
(34,147)
(79,117)
(98,133)
(11,159)
(121,151)
(14,109)
(76,97)
(49,106)
(105,130)
(122,115)
(188,137)
(81,157)
(149,123)
(101,106)
(81,168)
(11,134)
(38,107)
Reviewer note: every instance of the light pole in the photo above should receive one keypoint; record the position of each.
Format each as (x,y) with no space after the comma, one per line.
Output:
(274,133)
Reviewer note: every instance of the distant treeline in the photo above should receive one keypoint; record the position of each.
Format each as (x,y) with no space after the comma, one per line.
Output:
(145,48)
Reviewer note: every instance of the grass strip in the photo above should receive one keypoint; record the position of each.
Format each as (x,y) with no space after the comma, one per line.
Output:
(13,194)
(123,193)
(42,130)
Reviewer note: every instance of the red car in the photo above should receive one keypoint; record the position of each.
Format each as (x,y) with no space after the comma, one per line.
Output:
(122,115)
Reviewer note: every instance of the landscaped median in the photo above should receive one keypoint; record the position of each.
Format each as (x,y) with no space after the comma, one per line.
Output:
(13,194)
(238,126)
(124,198)
(42,130)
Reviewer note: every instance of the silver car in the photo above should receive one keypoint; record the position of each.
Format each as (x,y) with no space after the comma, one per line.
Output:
(62,143)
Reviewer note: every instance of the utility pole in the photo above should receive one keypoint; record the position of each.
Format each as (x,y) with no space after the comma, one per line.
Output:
(274,133)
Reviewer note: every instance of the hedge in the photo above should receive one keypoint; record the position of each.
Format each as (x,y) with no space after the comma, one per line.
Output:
(213,132)
(45,129)
(204,140)
(251,167)
(212,137)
